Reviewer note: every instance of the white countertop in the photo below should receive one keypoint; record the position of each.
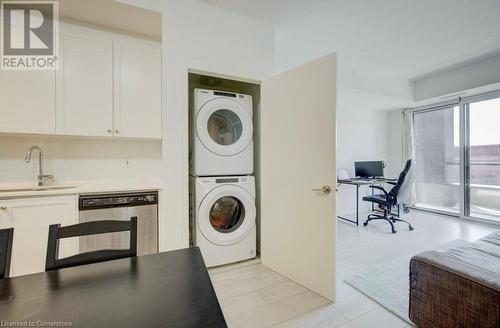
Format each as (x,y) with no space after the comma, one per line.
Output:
(30,190)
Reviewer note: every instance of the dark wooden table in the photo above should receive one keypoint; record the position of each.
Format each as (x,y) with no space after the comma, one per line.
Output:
(170,289)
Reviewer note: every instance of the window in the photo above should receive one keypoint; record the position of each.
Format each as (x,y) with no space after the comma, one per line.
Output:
(457,151)
(437,156)
(483,159)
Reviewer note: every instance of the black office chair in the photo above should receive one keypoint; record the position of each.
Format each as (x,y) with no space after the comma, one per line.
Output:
(6,238)
(57,232)
(389,199)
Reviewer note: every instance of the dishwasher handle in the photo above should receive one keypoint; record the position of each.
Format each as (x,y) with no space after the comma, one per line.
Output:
(93,202)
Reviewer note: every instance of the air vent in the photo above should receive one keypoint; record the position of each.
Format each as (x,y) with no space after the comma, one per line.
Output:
(225,94)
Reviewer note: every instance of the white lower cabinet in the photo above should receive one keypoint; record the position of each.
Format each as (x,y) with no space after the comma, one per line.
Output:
(31,218)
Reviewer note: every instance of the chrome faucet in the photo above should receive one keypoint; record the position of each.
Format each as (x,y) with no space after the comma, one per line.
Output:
(41,177)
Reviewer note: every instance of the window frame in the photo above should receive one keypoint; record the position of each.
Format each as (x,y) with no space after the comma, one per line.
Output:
(463,104)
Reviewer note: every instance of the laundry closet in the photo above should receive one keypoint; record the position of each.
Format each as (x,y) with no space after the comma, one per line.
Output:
(224,167)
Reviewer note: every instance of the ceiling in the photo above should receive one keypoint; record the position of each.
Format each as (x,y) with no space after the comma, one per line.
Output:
(407,38)
(114,15)
(269,11)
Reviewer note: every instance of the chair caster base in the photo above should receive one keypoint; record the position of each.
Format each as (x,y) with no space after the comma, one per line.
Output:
(390,219)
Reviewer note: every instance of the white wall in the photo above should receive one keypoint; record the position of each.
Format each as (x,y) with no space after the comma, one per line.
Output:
(478,73)
(77,160)
(203,37)
(313,29)
(395,143)
(363,135)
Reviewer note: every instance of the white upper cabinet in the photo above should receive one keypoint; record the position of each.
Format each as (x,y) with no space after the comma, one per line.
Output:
(107,85)
(85,82)
(27,98)
(27,102)
(137,87)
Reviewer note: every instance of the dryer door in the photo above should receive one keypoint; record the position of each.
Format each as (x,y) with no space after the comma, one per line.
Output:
(224,126)
(226,215)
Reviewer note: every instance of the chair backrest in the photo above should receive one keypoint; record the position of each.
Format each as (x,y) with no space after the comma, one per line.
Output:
(6,238)
(404,193)
(395,191)
(57,232)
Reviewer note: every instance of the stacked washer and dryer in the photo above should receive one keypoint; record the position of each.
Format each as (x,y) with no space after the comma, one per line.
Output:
(223,213)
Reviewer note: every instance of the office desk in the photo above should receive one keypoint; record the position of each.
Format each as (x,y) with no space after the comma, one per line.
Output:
(358,183)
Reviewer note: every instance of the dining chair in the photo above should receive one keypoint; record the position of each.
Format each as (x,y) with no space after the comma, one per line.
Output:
(56,232)
(6,238)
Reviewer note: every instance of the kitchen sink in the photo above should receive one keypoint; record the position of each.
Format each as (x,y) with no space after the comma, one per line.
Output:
(42,188)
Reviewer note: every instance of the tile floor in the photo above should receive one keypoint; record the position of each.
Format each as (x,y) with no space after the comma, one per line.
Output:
(253,296)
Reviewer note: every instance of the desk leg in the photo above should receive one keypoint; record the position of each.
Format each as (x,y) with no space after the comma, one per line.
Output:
(357,209)
(357,204)
(373,205)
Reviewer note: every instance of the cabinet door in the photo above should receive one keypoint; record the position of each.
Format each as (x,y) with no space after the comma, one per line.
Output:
(27,101)
(85,82)
(30,218)
(137,88)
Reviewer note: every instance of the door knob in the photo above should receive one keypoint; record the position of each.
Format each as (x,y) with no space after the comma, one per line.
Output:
(324,189)
(3,208)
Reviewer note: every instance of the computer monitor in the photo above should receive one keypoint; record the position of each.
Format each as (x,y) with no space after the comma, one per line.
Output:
(369,169)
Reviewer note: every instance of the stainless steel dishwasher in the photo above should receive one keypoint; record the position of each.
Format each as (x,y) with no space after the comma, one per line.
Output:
(121,206)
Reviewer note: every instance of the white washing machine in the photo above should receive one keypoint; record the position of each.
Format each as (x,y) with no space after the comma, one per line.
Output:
(223,224)
(222,133)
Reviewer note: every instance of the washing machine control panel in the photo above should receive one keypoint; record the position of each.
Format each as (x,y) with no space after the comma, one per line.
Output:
(227,180)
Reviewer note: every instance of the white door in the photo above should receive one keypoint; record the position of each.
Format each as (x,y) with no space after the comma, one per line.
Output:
(224,126)
(85,83)
(297,160)
(31,218)
(137,87)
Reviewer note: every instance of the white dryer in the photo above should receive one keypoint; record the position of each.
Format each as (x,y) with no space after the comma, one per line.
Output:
(223,225)
(222,133)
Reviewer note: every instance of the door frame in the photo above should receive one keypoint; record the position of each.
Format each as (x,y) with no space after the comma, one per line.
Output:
(189,69)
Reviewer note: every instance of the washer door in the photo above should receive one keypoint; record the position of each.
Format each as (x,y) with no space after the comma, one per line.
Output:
(226,215)
(224,127)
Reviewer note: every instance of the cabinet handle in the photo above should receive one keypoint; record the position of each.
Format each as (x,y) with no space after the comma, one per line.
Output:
(109,131)
(3,208)
(117,131)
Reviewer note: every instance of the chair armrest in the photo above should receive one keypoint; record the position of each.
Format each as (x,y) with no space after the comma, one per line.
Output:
(379,188)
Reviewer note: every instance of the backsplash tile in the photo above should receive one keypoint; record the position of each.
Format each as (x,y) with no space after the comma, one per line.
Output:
(81,160)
